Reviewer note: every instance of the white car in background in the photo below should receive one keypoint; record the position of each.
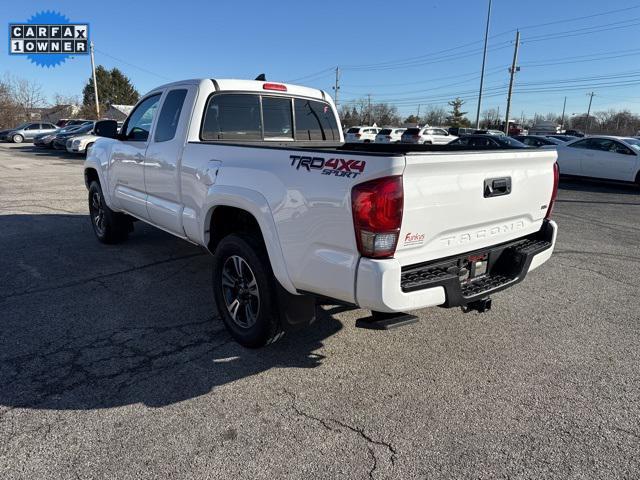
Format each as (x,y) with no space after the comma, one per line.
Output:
(390,135)
(361,134)
(427,136)
(80,143)
(608,157)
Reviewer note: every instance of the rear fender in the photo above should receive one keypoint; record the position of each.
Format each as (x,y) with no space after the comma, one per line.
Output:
(254,203)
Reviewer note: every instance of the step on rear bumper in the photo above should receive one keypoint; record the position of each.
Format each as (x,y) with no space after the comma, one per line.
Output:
(385,286)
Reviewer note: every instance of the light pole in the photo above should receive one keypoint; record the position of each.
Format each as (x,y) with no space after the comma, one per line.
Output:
(484,59)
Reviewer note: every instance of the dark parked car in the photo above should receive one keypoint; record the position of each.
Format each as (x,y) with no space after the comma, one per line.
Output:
(562,138)
(60,140)
(575,133)
(68,122)
(488,140)
(45,140)
(458,131)
(538,141)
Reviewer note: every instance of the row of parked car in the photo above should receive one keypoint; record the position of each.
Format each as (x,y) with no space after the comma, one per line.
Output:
(74,136)
(598,156)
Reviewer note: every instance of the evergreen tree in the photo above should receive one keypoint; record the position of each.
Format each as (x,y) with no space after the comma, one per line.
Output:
(456,115)
(113,88)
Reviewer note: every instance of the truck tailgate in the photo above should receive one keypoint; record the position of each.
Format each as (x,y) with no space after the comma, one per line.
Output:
(462,201)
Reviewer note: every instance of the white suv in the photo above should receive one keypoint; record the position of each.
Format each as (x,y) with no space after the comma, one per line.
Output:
(427,135)
(390,135)
(361,134)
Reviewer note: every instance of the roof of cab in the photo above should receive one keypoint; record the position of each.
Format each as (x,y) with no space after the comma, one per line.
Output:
(232,84)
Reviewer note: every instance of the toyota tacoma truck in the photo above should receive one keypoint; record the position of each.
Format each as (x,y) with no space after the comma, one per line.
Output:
(258,174)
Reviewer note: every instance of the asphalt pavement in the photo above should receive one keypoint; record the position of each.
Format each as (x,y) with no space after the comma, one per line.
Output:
(114,362)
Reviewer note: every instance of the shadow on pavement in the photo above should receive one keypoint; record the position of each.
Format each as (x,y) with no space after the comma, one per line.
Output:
(87,326)
(598,186)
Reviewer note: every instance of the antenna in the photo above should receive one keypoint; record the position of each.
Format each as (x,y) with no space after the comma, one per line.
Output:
(261,77)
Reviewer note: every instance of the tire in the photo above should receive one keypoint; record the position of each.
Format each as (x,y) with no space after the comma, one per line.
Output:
(17,138)
(244,289)
(427,142)
(367,141)
(110,227)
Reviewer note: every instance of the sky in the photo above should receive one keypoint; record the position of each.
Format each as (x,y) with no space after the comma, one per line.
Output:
(406,53)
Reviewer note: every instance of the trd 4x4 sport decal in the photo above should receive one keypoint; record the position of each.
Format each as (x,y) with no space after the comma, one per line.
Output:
(334,166)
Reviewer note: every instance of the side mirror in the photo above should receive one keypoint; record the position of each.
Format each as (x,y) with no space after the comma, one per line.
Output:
(106,128)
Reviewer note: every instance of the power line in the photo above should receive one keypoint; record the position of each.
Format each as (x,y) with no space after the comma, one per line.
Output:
(132,65)
(322,72)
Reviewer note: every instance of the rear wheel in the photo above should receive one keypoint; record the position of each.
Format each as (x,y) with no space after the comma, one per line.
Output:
(244,288)
(427,142)
(109,226)
(17,138)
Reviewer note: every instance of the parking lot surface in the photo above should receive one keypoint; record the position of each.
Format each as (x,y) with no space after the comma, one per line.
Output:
(115,364)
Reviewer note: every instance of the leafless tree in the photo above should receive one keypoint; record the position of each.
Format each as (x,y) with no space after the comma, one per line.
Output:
(27,94)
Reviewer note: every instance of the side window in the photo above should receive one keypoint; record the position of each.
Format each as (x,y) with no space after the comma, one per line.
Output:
(601,144)
(138,125)
(439,131)
(581,144)
(170,115)
(232,117)
(620,148)
(33,126)
(277,117)
(315,121)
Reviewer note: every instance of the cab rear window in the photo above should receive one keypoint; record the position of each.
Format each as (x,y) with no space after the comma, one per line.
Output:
(245,116)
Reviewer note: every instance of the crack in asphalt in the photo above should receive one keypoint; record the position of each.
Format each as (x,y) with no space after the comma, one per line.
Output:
(600,274)
(619,256)
(359,431)
(97,278)
(80,361)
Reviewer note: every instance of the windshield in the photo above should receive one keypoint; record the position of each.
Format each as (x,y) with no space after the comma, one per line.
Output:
(69,129)
(385,131)
(21,126)
(633,142)
(509,141)
(412,131)
(353,130)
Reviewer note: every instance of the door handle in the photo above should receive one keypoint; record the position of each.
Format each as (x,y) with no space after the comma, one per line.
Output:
(496,187)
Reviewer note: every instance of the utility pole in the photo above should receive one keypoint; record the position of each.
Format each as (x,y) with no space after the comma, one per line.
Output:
(590,95)
(95,83)
(369,109)
(564,106)
(484,59)
(514,68)
(418,116)
(336,88)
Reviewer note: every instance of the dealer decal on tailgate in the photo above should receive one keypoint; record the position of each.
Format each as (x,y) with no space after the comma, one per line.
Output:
(338,167)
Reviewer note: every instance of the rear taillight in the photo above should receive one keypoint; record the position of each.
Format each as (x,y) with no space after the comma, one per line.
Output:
(377,215)
(388,137)
(358,135)
(554,192)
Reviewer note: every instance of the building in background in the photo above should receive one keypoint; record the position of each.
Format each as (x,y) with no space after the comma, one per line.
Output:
(118,112)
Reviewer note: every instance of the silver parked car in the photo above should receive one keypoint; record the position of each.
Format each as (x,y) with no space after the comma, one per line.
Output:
(28,131)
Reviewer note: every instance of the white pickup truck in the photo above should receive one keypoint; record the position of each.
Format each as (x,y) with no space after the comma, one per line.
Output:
(258,174)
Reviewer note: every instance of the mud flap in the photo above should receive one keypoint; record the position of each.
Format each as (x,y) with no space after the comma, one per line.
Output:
(296,311)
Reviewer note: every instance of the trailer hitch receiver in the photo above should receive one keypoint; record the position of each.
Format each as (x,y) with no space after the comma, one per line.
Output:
(480,306)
